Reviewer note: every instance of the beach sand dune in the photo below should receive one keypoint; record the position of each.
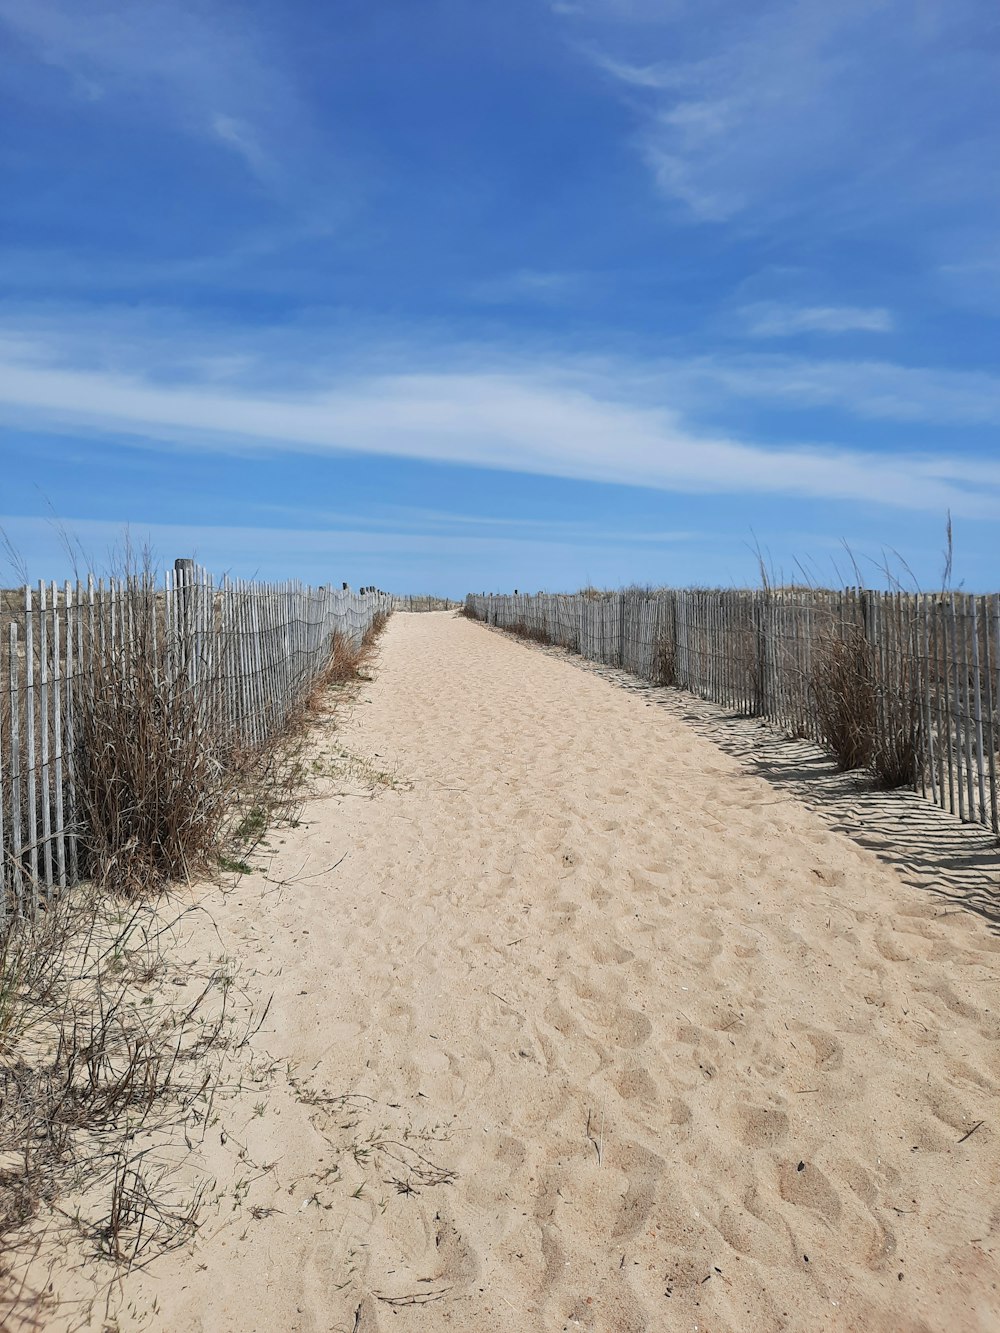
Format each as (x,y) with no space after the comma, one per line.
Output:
(591,1030)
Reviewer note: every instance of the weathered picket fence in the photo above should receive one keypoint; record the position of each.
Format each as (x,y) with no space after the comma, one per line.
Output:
(428,603)
(247,652)
(934,661)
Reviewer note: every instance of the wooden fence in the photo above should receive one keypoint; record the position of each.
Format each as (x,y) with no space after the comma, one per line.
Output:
(428,603)
(247,653)
(932,661)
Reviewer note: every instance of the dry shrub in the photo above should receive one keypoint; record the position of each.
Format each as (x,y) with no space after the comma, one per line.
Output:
(535,633)
(379,621)
(665,661)
(897,755)
(94,1049)
(844,692)
(898,751)
(347,658)
(868,719)
(154,774)
(166,782)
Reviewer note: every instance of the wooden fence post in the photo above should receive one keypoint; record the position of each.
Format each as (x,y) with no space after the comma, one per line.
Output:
(184,577)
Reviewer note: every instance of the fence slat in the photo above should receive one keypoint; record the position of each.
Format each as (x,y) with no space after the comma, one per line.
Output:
(16,801)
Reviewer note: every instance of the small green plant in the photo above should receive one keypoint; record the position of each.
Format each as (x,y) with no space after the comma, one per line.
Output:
(252,826)
(234,866)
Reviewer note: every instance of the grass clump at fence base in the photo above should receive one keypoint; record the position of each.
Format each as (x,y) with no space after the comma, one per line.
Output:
(897,756)
(866,721)
(664,662)
(533,633)
(154,774)
(843,687)
(162,769)
(347,662)
(347,658)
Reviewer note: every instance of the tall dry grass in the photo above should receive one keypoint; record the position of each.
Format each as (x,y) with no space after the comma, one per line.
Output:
(154,773)
(869,716)
(160,773)
(844,694)
(664,661)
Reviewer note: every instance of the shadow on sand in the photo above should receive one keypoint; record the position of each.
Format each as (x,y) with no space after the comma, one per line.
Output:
(927,847)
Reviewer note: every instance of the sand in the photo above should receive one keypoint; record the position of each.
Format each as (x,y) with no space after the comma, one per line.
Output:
(589,1028)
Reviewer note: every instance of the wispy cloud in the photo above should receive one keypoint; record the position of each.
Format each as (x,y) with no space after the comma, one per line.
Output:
(530,286)
(770,320)
(238,136)
(875,390)
(204,72)
(771,107)
(567,420)
(636,76)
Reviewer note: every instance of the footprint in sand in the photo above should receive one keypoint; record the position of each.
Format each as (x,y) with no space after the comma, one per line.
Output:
(806,1186)
(643,1170)
(628,1027)
(828,1050)
(634,1084)
(761,1126)
(604,951)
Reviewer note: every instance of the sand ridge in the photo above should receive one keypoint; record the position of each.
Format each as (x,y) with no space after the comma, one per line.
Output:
(590,1029)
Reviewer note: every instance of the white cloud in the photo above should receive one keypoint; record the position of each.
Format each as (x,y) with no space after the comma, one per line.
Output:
(636,76)
(238,136)
(572,420)
(865,110)
(877,390)
(771,320)
(209,76)
(535,286)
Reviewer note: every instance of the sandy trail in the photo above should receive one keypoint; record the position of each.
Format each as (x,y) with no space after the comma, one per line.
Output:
(592,1030)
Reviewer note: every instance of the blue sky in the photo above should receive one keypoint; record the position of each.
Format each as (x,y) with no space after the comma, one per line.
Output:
(442,295)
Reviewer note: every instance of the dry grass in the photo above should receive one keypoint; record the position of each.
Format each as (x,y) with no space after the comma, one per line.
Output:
(665,661)
(534,633)
(844,692)
(154,774)
(867,720)
(347,659)
(96,1050)
(520,628)
(897,753)
(165,782)
(347,663)
(271,787)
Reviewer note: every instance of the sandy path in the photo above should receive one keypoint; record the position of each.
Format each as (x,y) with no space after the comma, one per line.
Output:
(695,1061)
